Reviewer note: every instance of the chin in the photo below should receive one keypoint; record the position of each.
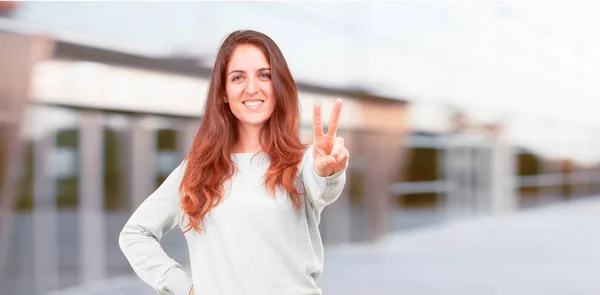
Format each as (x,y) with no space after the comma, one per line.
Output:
(255,122)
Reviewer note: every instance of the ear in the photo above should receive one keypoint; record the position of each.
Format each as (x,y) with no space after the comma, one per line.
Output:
(225,99)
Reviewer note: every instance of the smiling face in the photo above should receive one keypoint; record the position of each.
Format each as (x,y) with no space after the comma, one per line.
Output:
(249,87)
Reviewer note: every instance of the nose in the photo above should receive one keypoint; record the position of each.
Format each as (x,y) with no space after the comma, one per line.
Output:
(251,87)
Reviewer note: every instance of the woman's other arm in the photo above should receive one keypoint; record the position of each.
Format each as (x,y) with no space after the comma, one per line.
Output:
(140,238)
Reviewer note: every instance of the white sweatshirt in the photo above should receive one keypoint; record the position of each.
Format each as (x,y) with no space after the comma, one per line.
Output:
(253,244)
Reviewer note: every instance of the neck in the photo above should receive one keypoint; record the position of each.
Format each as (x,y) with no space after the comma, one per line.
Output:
(248,141)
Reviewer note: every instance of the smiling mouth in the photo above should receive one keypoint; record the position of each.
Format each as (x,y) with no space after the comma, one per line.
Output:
(253,104)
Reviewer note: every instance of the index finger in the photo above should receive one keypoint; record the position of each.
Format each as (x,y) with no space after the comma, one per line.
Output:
(317,122)
(335,117)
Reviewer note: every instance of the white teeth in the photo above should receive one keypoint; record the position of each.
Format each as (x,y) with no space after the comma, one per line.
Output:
(253,102)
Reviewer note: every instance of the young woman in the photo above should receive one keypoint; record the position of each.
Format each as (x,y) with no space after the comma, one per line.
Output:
(249,195)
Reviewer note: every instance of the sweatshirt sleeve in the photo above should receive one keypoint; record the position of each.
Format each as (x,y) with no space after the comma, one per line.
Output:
(140,238)
(321,191)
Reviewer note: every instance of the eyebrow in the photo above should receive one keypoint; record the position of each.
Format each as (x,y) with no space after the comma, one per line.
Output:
(240,71)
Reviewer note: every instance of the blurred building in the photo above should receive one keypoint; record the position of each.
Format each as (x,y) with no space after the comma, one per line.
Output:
(88,130)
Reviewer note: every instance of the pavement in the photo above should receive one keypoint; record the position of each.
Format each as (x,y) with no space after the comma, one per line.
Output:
(550,250)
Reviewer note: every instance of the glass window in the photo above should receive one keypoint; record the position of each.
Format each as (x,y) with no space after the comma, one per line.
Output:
(115,151)
(167,154)
(24,201)
(65,167)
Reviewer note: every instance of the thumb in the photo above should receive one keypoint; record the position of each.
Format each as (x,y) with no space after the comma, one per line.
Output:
(324,166)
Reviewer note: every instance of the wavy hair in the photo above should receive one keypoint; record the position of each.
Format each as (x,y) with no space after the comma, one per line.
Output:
(209,163)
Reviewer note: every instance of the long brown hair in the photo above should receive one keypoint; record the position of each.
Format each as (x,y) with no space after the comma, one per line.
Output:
(209,162)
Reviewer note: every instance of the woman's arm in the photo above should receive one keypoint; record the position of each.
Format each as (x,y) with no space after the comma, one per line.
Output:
(321,191)
(140,238)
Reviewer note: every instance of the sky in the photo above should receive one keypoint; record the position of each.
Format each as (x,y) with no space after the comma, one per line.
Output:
(525,61)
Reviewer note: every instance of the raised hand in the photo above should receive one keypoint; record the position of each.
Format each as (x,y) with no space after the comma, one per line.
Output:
(329,153)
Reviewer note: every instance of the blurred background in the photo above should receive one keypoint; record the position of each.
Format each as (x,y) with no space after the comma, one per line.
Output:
(473,128)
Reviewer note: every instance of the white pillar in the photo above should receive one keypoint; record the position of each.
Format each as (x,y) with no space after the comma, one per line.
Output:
(45,216)
(443,196)
(453,183)
(511,187)
(483,170)
(458,173)
(499,179)
(141,165)
(92,238)
(464,170)
(187,133)
(510,168)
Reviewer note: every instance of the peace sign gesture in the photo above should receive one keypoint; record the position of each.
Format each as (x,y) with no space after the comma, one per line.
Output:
(329,154)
